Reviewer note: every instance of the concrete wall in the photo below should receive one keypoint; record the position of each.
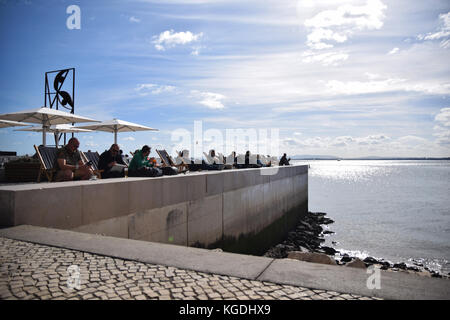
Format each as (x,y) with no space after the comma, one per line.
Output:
(228,209)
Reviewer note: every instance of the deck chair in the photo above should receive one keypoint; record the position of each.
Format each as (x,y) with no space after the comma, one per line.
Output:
(47,158)
(167,161)
(240,159)
(222,159)
(210,163)
(230,160)
(183,158)
(94,157)
(264,160)
(274,160)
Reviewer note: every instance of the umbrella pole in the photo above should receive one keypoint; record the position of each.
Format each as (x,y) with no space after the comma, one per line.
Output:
(56,138)
(44,136)
(115,136)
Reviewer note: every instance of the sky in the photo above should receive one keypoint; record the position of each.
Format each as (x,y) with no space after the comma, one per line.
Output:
(343,78)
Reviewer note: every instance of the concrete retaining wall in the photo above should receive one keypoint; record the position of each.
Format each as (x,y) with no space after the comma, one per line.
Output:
(235,210)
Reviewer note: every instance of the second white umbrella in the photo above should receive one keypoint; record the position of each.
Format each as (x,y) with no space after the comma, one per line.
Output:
(115,126)
(56,129)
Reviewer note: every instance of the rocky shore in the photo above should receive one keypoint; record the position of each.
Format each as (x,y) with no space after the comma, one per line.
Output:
(305,243)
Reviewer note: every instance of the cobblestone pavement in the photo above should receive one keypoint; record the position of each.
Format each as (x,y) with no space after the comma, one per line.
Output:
(32,271)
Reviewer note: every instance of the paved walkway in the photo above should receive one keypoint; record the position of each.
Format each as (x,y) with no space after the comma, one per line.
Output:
(45,263)
(33,271)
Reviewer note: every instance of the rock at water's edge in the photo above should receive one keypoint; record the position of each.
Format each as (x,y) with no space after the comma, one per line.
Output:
(311,257)
(357,263)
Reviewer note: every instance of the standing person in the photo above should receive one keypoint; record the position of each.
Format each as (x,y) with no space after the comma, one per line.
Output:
(69,163)
(109,159)
(284,161)
(141,166)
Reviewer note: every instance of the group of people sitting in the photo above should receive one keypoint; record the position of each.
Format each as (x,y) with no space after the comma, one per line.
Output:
(233,160)
(70,165)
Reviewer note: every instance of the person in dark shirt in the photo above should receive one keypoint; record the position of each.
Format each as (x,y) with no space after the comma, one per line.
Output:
(69,163)
(284,161)
(109,159)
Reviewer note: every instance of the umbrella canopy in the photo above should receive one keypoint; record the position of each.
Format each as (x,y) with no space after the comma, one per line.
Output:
(116,125)
(7,124)
(46,117)
(56,129)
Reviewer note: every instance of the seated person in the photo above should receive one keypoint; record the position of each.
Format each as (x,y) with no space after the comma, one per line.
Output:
(250,161)
(231,159)
(109,159)
(141,166)
(284,161)
(69,163)
(183,158)
(259,162)
(247,157)
(214,157)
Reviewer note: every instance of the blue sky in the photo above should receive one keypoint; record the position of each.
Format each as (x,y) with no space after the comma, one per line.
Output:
(346,78)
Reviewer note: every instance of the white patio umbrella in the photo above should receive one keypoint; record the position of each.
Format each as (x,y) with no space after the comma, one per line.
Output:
(56,129)
(7,124)
(116,125)
(46,117)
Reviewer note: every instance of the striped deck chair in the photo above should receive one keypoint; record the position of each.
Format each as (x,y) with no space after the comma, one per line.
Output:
(47,158)
(94,157)
(167,161)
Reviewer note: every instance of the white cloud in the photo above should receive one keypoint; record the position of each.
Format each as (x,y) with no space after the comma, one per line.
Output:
(209,99)
(317,35)
(91,144)
(443,32)
(386,85)
(134,19)
(339,24)
(342,141)
(372,139)
(337,142)
(372,76)
(443,117)
(412,140)
(444,29)
(326,59)
(394,51)
(170,39)
(442,129)
(443,138)
(196,50)
(128,139)
(146,88)
(359,87)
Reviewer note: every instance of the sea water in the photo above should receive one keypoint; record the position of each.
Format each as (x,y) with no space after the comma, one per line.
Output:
(396,210)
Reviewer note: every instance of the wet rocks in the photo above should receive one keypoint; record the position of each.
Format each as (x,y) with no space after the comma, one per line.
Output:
(311,257)
(371,260)
(401,265)
(346,258)
(305,242)
(356,263)
(306,237)
(328,250)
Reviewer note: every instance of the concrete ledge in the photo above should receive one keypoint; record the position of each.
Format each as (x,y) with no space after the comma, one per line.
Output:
(393,285)
(285,271)
(196,209)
